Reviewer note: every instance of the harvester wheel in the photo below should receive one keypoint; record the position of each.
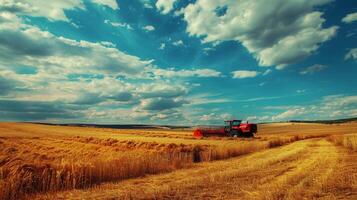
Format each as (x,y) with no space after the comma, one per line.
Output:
(234,133)
(240,133)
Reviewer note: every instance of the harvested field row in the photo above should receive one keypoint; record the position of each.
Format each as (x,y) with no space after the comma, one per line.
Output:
(349,140)
(126,145)
(300,170)
(40,130)
(75,172)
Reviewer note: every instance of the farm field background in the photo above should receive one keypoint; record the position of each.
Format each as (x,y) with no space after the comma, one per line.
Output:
(283,161)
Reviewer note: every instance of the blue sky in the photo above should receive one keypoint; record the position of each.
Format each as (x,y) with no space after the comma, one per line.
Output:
(177,62)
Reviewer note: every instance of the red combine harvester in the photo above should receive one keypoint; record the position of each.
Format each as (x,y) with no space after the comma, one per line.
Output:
(232,128)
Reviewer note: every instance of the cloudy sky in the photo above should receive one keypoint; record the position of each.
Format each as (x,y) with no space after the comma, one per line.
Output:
(177,61)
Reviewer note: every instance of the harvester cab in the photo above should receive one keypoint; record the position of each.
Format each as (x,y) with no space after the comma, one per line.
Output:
(232,127)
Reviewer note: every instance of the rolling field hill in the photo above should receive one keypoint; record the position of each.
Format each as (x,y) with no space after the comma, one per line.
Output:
(283,161)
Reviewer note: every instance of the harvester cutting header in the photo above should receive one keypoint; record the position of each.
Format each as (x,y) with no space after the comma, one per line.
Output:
(232,128)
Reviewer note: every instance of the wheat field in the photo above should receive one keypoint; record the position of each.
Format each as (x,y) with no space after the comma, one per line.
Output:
(283,161)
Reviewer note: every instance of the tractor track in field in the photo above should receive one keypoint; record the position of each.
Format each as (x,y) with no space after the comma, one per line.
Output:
(308,169)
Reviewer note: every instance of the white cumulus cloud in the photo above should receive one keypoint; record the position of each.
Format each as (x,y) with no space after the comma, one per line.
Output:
(110,3)
(165,6)
(289,114)
(313,69)
(162,46)
(118,24)
(240,74)
(187,73)
(283,32)
(35,47)
(178,43)
(352,54)
(149,28)
(53,10)
(352,17)
(329,107)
